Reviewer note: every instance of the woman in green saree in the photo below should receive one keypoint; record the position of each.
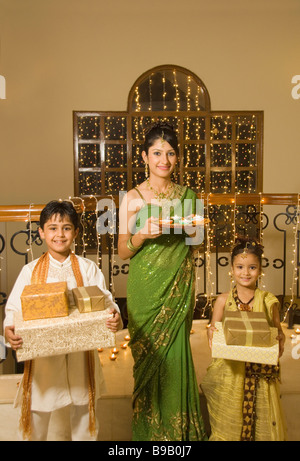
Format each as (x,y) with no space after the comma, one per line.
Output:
(160,298)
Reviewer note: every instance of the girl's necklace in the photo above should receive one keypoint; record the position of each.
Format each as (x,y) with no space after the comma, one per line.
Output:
(161,195)
(242,306)
(245,306)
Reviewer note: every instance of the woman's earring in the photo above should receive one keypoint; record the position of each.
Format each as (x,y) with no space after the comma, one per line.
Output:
(146,170)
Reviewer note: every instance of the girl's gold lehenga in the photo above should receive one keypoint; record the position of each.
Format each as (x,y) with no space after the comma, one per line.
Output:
(160,300)
(223,387)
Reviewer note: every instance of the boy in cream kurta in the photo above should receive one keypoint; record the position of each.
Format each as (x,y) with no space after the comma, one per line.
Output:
(62,380)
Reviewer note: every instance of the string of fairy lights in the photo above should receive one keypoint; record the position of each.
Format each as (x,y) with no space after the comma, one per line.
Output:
(29,220)
(295,273)
(227,156)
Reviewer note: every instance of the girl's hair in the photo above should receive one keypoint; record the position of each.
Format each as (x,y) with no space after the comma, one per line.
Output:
(247,245)
(161,130)
(61,208)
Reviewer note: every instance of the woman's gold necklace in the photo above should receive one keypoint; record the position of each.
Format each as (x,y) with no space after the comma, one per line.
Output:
(161,195)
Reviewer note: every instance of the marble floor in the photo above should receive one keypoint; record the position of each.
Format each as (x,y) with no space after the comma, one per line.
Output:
(115,406)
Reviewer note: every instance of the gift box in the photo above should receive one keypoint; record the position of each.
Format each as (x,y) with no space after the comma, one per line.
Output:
(242,328)
(63,335)
(45,300)
(89,299)
(265,355)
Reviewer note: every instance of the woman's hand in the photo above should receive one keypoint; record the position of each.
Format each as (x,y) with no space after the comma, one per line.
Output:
(152,229)
(127,218)
(14,340)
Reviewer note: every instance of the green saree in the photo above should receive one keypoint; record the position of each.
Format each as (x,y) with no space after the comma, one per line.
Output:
(160,301)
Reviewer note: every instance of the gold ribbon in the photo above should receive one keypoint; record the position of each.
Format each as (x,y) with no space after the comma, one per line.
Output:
(85,297)
(249,330)
(243,316)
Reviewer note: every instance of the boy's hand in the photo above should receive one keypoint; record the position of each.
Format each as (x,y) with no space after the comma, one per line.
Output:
(113,322)
(14,340)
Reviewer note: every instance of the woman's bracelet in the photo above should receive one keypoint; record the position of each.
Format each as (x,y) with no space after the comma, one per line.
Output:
(131,247)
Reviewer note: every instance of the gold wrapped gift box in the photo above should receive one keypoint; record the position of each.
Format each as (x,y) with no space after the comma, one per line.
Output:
(45,300)
(265,355)
(62,335)
(243,328)
(89,299)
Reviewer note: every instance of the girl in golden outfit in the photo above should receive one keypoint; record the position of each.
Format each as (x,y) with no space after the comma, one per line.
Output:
(235,414)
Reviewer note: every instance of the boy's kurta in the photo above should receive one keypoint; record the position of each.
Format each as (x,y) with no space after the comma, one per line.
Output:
(63,379)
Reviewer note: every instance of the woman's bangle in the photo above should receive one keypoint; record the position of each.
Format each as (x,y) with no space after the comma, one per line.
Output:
(131,247)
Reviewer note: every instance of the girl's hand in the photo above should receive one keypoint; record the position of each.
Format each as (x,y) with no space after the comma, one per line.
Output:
(218,311)
(281,339)
(276,323)
(210,333)
(113,322)
(14,340)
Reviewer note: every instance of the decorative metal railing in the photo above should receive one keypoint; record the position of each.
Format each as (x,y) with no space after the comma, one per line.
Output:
(271,218)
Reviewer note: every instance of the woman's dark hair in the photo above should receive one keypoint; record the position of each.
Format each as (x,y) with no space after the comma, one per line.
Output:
(61,208)
(247,245)
(161,130)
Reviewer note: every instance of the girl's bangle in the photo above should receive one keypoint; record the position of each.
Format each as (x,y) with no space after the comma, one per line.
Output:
(131,247)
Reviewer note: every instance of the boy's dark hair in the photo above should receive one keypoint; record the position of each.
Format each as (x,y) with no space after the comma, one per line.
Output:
(245,245)
(161,130)
(61,208)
